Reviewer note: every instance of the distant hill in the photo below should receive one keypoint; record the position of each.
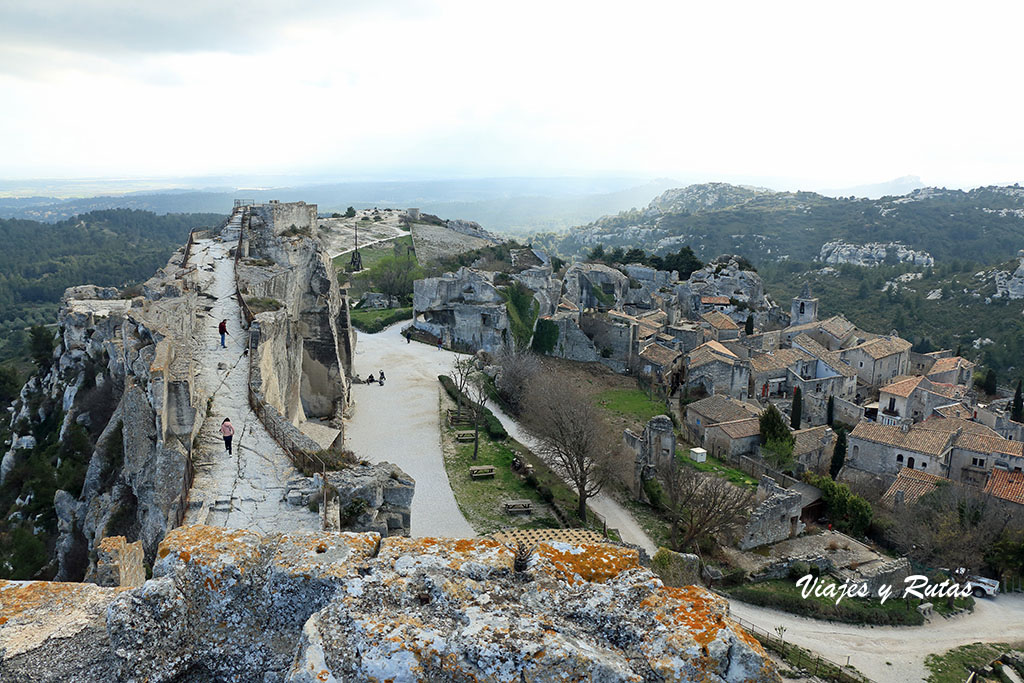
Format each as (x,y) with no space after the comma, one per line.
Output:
(899,186)
(984,225)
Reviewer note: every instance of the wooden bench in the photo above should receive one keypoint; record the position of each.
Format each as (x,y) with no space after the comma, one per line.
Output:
(481,471)
(514,507)
(464,437)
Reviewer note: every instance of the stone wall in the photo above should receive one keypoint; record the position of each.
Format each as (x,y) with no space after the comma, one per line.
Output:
(284,216)
(572,343)
(776,516)
(235,605)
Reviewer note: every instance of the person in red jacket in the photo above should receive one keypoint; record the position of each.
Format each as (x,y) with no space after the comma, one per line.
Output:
(223,329)
(227,430)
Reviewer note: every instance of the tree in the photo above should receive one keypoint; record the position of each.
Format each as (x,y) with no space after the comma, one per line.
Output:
(1017,409)
(773,426)
(573,438)
(478,396)
(778,453)
(41,346)
(395,275)
(797,409)
(461,373)
(830,411)
(701,506)
(838,455)
(518,368)
(10,384)
(988,385)
(748,326)
(596,253)
(350,212)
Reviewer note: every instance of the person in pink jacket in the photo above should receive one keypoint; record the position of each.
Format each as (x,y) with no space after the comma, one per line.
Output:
(227,431)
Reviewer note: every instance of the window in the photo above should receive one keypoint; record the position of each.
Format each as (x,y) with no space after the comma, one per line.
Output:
(978,462)
(910,463)
(862,363)
(899,458)
(801,308)
(924,465)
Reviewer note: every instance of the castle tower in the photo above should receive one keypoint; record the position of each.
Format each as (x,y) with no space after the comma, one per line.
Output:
(805,308)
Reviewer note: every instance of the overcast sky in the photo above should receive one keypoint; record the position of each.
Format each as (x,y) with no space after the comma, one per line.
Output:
(814,93)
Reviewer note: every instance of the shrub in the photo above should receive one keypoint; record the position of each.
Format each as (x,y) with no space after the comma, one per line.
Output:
(652,487)
(545,494)
(798,569)
(531,480)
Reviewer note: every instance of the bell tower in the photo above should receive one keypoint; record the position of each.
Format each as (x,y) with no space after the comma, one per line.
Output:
(804,308)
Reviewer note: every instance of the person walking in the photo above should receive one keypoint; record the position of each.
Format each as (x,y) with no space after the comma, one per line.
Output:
(227,430)
(382,376)
(223,329)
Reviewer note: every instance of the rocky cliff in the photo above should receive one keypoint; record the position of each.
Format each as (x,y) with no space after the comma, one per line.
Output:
(235,605)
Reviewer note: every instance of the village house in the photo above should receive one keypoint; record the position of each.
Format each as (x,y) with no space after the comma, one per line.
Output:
(812,448)
(729,440)
(914,398)
(878,360)
(954,370)
(1006,486)
(661,364)
(833,333)
(823,374)
(714,410)
(769,372)
(715,303)
(719,327)
(908,487)
(718,370)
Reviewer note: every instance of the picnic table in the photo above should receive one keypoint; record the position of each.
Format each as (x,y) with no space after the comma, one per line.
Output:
(464,436)
(513,507)
(481,471)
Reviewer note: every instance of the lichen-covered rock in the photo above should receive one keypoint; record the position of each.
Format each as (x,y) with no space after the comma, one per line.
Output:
(234,605)
(375,497)
(676,569)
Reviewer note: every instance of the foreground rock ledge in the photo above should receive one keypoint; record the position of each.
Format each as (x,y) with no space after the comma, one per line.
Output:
(234,605)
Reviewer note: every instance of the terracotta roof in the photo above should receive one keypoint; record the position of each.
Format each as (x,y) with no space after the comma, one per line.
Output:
(838,326)
(710,352)
(951,424)
(661,355)
(625,317)
(720,408)
(667,338)
(956,410)
(715,300)
(720,321)
(777,360)
(913,484)
(658,317)
(926,441)
(908,385)
(1006,485)
(947,364)
(741,429)
(901,387)
(830,358)
(648,329)
(807,440)
(883,347)
(979,443)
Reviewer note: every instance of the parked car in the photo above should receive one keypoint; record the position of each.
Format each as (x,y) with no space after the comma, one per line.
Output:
(981,587)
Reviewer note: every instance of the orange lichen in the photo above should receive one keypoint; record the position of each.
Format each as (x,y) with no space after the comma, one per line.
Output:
(20,597)
(596,562)
(691,609)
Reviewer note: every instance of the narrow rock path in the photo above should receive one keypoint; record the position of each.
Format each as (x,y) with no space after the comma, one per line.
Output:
(246,488)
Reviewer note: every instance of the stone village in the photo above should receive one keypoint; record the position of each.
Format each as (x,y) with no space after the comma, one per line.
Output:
(254,540)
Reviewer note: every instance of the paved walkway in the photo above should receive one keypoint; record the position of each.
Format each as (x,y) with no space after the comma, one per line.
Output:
(398,423)
(890,653)
(245,489)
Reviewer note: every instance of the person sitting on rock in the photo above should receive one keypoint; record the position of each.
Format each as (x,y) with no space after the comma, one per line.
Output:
(370,379)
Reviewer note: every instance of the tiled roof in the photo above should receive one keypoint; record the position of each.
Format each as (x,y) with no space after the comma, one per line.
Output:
(658,317)
(838,326)
(883,347)
(947,364)
(956,410)
(807,440)
(777,360)
(663,356)
(951,424)
(720,321)
(831,358)
(648,329)
(927,441)
(906,386)
(715,300)
(979,443)
(719,408)
(741,429)
(1006,485)
(901,387)
(913,483)
(710,352)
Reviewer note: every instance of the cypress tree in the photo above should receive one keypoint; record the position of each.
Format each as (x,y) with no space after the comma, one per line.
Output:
(838,455)
(830,411)
(748,326)
(797,409)
(1017,411)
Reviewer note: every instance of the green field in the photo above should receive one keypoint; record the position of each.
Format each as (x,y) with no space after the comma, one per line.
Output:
(630,403)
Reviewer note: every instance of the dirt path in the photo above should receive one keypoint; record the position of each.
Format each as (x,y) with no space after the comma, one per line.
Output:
(246,488)
(889,653)
(398,422)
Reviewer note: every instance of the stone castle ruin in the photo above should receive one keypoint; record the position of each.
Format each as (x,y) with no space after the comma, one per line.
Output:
(655,450)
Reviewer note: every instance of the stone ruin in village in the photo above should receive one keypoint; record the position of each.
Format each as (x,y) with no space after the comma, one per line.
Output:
(299,604)
(655,450)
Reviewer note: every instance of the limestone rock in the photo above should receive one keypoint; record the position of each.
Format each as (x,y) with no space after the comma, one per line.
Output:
(374,498)
(676,569)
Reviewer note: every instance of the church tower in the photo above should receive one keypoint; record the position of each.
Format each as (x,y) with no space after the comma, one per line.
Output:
(805,308)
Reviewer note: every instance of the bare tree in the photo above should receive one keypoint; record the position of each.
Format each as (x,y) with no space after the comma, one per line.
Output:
(518,368)
(461,373)
(573,438)
(700,505)
(478,395)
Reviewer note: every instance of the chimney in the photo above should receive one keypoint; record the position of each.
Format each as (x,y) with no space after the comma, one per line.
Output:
(904,427)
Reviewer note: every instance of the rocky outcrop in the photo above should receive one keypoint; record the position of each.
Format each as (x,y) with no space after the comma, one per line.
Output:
(872,254)
(234,605)
(732,278)
(465,309)
(374,498)
(1010,285)
(595,286)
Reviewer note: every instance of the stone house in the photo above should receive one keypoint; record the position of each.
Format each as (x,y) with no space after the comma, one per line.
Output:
(1007,486)
(718,370)
(615,336)
(823,375)
(661,363)
(914,398)
(973,456)
(812,447)
(707,412)
(910,485)
(729,440)
(886,449)
(769,372)
(719,327)
(804,308)
(878,360)
(833,333)
(954,370)
(775,517)
(721,304)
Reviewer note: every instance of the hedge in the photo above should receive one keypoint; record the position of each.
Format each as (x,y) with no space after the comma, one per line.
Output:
(491,424)
(374,320)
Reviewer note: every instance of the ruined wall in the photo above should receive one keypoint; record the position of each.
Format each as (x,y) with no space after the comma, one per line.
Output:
(776,516)
(235,605)
(572,343)
(287,215)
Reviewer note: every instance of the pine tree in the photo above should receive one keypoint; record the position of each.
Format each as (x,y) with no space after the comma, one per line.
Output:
(838,455)
(830,411)
(797,409)
(1017,410)
(773,426)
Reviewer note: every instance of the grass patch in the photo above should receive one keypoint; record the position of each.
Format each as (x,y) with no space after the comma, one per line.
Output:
(373,320)
(953,665)
(262,304)
(632,403)
(719,469)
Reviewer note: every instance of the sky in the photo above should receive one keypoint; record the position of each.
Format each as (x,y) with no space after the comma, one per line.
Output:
(813,94)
